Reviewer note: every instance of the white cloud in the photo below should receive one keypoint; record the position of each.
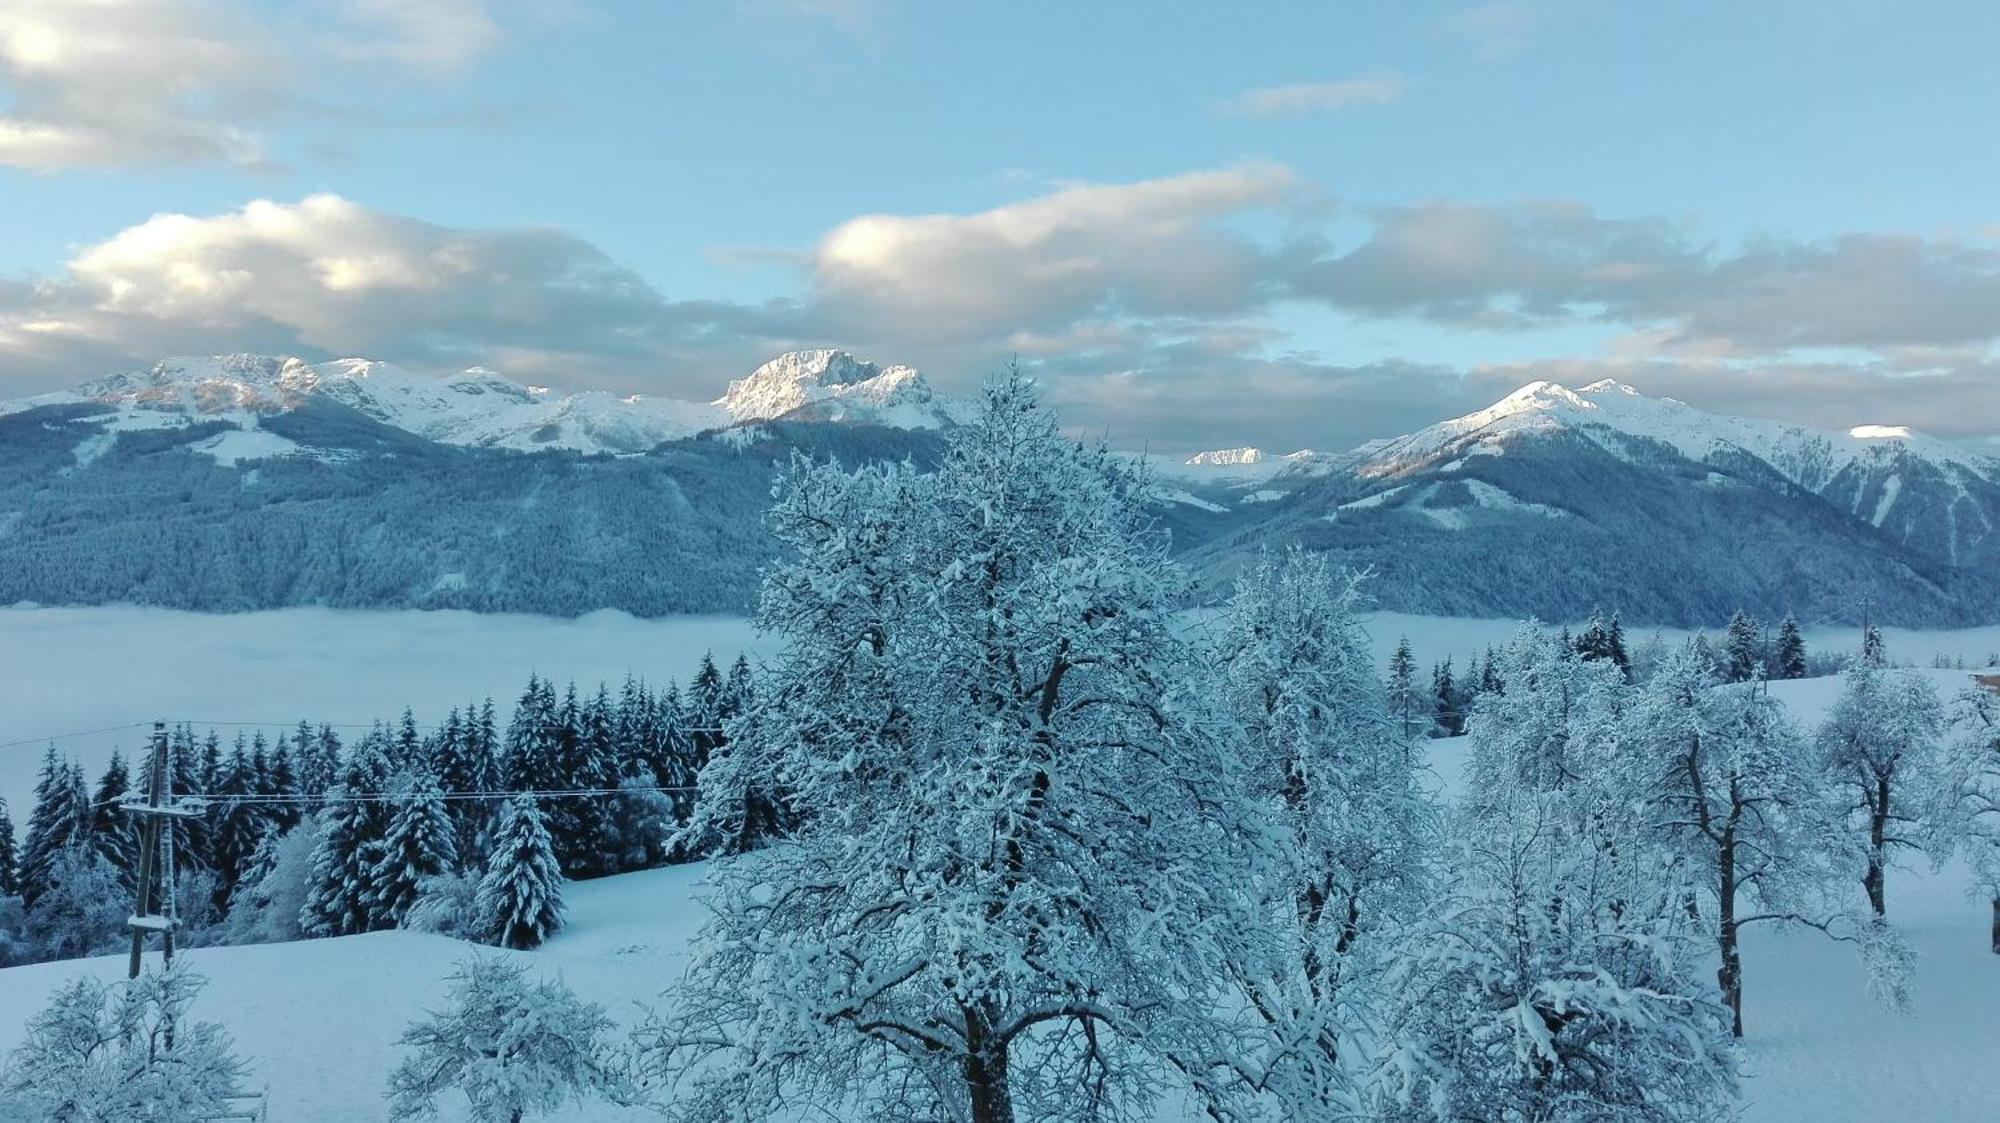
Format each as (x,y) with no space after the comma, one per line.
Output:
(97,83)
(1156,247)
(115,83)
(1314,97)
(434,34)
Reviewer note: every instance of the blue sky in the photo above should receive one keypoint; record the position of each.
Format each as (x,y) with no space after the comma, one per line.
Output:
(1282,224)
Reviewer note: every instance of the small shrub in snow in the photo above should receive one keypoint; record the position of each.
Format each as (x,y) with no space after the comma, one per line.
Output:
(511,1046)
(126,1052)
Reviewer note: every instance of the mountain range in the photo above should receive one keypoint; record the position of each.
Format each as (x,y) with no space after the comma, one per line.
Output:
(245,481)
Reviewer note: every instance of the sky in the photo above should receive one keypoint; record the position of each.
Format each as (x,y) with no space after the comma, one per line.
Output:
(1281,224)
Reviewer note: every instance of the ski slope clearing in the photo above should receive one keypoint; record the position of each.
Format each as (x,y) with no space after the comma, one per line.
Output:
(318,1020)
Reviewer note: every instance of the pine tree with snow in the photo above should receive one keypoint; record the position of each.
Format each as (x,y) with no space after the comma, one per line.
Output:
(1789,660)
(10,860)
(1402,687)
(1017,880)
(1874,652)
(340,898)
(61,819)
(1339,777)
(420,844)
(124,1052)
(1880,745)
(520,900)
(111,827)
(1742,649)
(1447,707)
(236,822)
(511,1046)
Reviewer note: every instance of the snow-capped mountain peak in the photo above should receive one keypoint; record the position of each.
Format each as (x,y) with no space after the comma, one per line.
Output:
(828,384)
(478,406)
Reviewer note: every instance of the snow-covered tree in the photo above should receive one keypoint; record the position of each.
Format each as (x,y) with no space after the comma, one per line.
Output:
(1788,660)
(82,905)
(124,1052)
(520,899)
(1874,652)
(1602,640)
(10,880)
(420,844)
(1967,819)
(1730,798)
(1013,884)
(1338,778)
(511,1046)
(340,898)
(1880,744)
(111,832)
(1546,730)
(60,820)
(1447,702)
(1403,696)
(1742,649)
(448,905)
(1553,986)
(268,908)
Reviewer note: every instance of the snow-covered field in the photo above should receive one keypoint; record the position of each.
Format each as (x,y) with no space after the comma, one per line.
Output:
(319,1020)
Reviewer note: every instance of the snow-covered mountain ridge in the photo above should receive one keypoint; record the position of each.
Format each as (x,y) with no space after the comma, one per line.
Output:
(480,407)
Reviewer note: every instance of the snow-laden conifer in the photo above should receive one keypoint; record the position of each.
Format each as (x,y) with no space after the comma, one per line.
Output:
(420,844)
(519,903)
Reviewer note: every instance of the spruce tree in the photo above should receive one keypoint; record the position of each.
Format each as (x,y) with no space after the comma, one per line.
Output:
(1742,649)
(1446,711)
(111,831)
(1789,662)
(420,844)
(60,819)
(1874,653)
(10,881)
(520,903)
(1402,687)
(339,897)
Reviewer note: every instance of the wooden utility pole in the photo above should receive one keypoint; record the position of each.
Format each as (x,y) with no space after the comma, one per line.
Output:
(156,854)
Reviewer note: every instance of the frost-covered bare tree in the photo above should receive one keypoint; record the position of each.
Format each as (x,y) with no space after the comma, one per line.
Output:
(1881,745)
(1732,801)
(100,1054)
(1016,879)
(1546,730)
(1328,759)
(1553,985)
(1967,819)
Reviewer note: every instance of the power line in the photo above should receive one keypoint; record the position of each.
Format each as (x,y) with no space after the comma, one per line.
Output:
(410,797)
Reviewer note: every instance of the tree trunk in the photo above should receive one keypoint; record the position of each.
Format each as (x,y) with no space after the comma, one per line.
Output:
(1730,975)
(986,1071)
(986,1083)
(1996,926)
(1878,831)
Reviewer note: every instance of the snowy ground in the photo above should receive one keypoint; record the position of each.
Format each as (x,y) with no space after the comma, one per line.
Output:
(319,1019)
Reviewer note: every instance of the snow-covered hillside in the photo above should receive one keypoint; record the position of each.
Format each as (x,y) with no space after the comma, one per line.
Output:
(318,1020)
(482,408)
